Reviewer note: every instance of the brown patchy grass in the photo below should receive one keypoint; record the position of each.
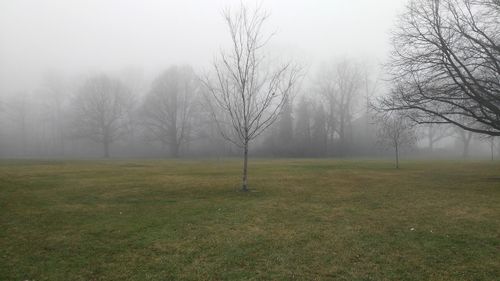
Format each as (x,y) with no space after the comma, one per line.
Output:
(304,220)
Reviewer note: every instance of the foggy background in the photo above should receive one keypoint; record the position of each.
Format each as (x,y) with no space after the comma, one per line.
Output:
(49,48)
(78,36)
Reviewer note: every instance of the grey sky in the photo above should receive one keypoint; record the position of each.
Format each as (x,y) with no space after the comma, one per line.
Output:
(71,35)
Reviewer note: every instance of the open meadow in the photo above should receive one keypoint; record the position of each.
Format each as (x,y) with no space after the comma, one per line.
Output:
(303,220)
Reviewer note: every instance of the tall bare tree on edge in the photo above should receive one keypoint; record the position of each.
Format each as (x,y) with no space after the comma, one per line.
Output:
(445,64)
(246,95)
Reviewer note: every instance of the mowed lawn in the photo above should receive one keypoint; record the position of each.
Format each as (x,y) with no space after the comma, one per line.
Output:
(304,220)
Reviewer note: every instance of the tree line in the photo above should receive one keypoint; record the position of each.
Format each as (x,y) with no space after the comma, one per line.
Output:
(101,115)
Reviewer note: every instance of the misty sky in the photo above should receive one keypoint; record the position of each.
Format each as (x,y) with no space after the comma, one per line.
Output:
(108,35)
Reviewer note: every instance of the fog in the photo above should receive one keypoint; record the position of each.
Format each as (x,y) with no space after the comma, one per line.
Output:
(79,36)
(50,49)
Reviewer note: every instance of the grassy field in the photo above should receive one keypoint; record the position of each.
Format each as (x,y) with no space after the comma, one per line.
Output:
(304,220)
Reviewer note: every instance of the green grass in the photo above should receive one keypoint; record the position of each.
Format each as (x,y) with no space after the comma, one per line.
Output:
(304,220)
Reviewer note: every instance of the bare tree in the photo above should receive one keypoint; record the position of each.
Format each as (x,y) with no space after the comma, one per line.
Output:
(246,94)
(370,79)
(435,133)
(319,131)
(395,131)
(446,64)
(169,108)
(491,141)
(102,108)
(280,139)
(55,95)
(326,89)
(303,127)
(465,138)
(340,86)
(18,113)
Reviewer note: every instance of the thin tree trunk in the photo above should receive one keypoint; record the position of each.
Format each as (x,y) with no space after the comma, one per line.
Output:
(244,186)
(431,138)
(174,150)
(465,152)
(467,139)
(342,139)
(498,152)
(492,146)
(106,149)
(397,156)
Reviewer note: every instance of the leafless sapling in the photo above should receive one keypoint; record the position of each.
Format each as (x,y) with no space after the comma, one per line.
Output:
(247,94)
(396,131)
